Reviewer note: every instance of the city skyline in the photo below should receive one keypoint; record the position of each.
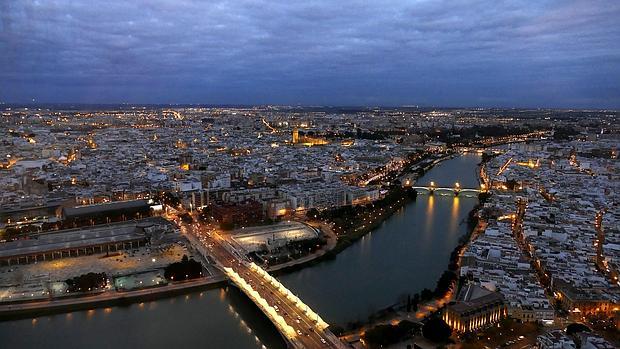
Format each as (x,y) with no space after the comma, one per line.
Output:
(274,227)
(316,174)
(553,54)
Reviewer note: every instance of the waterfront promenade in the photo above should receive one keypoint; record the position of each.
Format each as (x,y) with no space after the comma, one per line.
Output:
(114,297)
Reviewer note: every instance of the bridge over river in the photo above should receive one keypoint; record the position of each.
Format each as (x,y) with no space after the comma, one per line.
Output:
(300,326)
(432,188)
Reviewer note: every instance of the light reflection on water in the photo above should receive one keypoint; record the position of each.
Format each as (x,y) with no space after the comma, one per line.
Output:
(405,254)
(217,319)
(454,215)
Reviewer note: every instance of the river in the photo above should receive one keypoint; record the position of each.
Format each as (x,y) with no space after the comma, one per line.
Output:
(407,253)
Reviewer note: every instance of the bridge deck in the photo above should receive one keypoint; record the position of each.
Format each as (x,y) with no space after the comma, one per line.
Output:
(300,326)
(460,190)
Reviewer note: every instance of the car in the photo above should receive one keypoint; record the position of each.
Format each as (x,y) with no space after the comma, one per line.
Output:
(299,332)
(323,340)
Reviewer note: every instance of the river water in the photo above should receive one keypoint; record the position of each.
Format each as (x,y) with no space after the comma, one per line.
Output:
(407,253)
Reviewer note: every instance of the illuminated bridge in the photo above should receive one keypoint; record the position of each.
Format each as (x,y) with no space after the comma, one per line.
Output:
(299,325)
(456,189)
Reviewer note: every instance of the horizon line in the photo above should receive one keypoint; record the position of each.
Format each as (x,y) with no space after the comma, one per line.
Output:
(242,105)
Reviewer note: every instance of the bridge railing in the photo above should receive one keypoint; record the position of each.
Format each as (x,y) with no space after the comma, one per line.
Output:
(455,189)
(287,330)
(320,323)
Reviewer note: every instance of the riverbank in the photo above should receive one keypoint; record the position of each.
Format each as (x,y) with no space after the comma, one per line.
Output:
(394,314)
(334,246)
(332,241)
(18,310)
(397,198)
(446,290)
(105,299)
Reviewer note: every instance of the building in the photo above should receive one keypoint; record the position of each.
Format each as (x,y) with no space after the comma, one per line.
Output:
(270,237)
(295,136)
(311,195)
(278,208)
(307,140)
(555,340)
(360,196)
(239,213)
(436,147)
(584,301)
(74,243)
(532,313)
(475,308)
(104,212)
(591,341)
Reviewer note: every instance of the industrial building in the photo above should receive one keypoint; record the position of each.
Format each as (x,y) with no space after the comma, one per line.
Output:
(78,242)
(270,237)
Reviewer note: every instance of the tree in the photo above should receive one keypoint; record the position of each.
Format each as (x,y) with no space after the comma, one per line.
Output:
(576,328)
(183,270)
(87,282)
(312,213)
(426,294)
(186,218)
(227,225)
(382,335)
(436,330)
(415,301)
(445,282)
(409,304)
(337,330)
(483,197)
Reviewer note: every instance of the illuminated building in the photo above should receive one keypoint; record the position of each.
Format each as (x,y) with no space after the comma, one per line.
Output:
(191,193)
(306,140)
(435,147)
(272,237)
(185,160)
(278,208)
(295,136)
(584,301)
(475,308)
(347,142)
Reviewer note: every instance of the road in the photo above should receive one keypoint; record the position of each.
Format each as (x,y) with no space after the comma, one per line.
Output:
(306,329)
(97,299)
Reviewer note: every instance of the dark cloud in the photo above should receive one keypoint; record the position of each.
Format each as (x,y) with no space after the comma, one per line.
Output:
(442,52)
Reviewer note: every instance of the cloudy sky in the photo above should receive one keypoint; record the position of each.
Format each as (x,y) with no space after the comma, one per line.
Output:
(513,53)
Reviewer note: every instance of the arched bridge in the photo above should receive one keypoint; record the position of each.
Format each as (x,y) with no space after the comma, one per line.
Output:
(456,189)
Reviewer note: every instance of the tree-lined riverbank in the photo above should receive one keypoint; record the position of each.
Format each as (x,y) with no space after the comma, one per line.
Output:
(404,254)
